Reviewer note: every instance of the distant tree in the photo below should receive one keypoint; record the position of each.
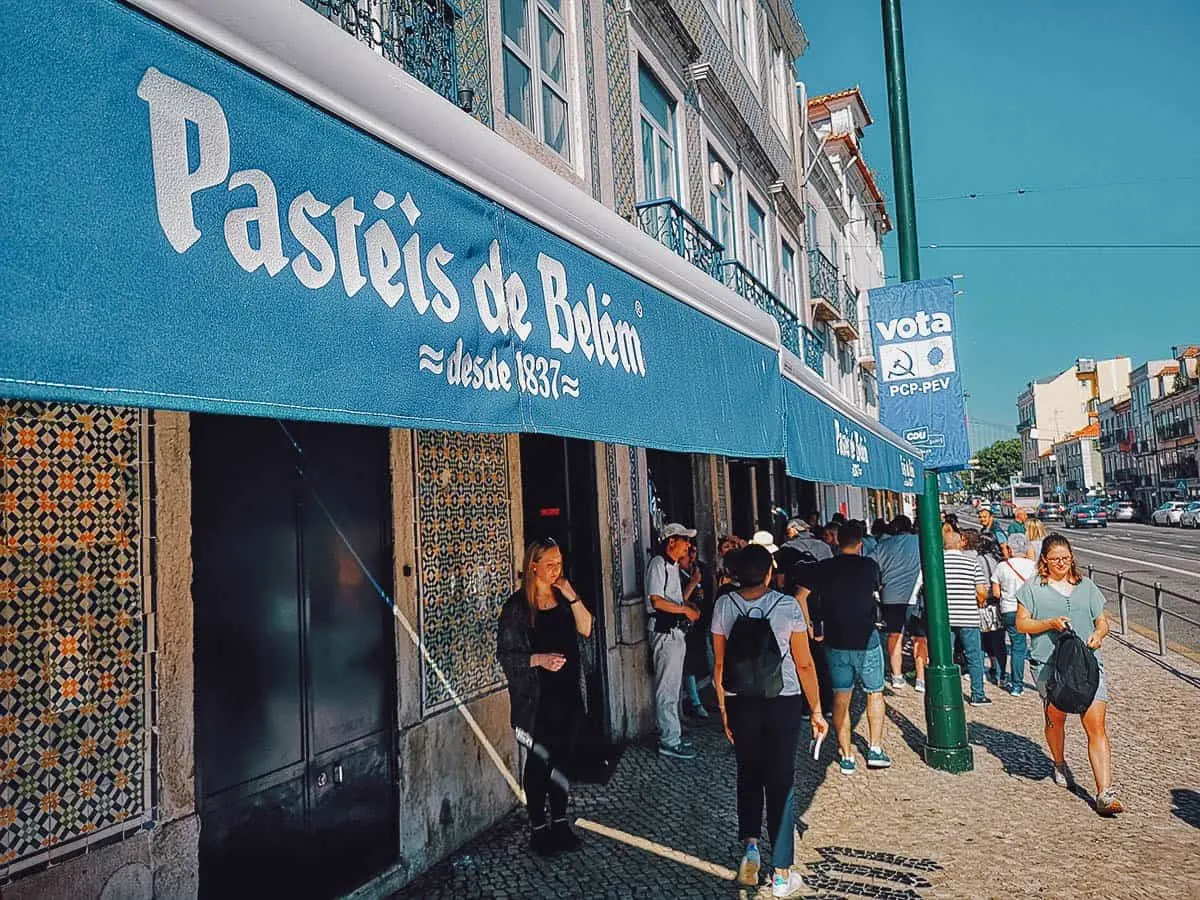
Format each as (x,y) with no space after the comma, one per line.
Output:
(998,462)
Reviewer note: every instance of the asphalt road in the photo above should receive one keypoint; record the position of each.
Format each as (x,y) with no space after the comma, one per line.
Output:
(1144,555)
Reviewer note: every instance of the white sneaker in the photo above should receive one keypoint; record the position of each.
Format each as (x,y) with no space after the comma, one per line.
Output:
(787,887)
(919,687)
(898,682)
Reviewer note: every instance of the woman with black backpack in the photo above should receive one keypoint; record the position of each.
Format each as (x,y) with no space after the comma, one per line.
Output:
(762,666)
(1056,606)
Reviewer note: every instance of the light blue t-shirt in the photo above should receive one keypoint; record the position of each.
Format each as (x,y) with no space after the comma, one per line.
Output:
(786,619)
(1044,601)
(899,559)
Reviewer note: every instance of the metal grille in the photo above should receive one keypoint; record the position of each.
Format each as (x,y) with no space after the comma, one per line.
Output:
(416,35)
(672,226)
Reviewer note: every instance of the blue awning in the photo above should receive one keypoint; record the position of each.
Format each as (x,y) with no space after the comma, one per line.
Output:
(829,440)
(335,243)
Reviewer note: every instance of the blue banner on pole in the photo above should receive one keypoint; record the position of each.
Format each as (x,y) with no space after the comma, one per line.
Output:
(920,387)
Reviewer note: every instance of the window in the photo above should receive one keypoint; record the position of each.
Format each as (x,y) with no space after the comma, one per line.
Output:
(810,227)
(780,88)
(721,216)
(659,170)
(535,82)
(787,266)
(756,236)
(834,251)
(743,30)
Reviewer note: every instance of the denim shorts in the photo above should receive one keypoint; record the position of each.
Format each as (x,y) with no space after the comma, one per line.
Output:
(1041,677)
(848,666)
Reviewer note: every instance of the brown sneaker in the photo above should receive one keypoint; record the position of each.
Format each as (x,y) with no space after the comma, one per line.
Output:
(1107,803)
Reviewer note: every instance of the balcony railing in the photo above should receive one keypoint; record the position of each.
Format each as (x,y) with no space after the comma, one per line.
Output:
(673,226)
(416,35)
(847,324)
(823,287)
(1186,469)
(814,351)
(1172,430)
(736,276)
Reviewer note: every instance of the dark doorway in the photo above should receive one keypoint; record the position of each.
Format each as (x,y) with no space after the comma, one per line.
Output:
(672,497)
(558,492)
(295,656)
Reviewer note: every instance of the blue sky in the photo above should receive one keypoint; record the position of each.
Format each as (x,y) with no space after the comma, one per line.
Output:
(1039,95)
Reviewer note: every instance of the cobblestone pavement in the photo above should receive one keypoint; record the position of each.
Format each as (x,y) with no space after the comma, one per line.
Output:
(667,828)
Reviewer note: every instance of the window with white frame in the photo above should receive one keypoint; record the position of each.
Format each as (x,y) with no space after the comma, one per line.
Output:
(742,25)
(781,76)
(834,251)
(810,227)
(787,274)
(660,175)
(721,212)
(756,239)
(535,69)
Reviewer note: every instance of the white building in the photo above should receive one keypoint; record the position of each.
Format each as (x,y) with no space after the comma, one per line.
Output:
(1052,409)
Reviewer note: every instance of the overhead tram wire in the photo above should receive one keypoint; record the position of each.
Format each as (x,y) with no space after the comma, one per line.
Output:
(1063,246)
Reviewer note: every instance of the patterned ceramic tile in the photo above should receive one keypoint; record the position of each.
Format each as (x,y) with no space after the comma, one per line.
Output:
(639,549)
(464,560)
(72,661)
(589,78)
(620,101)
(614,520)
(474,64)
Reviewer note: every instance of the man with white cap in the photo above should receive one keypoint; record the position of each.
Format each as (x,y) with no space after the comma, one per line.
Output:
(670,615)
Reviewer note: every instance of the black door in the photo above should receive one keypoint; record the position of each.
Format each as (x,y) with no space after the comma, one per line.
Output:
(558,492)
(295,656)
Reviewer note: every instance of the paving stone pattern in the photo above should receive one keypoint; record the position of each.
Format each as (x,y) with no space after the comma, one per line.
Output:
(1003,830)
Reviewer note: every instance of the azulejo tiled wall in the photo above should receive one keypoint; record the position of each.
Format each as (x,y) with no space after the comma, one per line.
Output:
(464,558)
(73,709)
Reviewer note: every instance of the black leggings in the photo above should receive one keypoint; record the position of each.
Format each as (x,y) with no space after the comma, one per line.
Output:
(555,732)
(765,736)
(995,645)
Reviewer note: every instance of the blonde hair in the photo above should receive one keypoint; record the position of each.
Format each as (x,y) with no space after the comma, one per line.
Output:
(537,548)
(1035,530)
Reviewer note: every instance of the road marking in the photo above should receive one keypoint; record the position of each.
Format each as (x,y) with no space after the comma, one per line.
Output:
(1144,562)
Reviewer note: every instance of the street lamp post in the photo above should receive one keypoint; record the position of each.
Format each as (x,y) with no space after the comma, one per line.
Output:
(946,744)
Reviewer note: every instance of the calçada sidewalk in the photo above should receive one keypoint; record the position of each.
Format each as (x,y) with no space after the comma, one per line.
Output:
(667,828)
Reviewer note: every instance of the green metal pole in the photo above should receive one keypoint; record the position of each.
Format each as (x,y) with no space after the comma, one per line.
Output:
(946,744)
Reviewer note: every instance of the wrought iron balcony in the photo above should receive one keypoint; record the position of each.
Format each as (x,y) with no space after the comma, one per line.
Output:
(1187,468)
(1174,430)
(416,35)
(736,276)
(846,324)
(673,226)
(814,351)
(823,290)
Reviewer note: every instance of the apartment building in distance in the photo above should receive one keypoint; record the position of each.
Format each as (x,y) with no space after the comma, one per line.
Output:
(1056,408)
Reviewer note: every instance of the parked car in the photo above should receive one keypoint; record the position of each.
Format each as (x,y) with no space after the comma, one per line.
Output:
(1086,515)
(1122,511)
(1051,512)
(1169,513)
(1190,517)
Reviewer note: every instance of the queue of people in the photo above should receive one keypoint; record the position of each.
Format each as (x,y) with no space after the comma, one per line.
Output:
(784,635)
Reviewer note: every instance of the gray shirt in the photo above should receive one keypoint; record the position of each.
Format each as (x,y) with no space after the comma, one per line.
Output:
(662,580)
(899,559)
(806,543)
(786,619)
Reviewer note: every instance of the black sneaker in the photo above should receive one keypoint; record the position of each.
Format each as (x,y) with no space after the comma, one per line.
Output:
(562,838)
(980,701)
(541,840)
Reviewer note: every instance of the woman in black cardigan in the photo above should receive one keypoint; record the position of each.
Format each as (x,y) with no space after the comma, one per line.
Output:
(537,643)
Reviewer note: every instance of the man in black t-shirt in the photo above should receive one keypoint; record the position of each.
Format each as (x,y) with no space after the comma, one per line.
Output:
(848,585)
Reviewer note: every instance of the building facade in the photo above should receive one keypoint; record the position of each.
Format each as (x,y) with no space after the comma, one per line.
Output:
(1147,383)
(1116,447)
(1052,409)
(231,623)
(1176,421)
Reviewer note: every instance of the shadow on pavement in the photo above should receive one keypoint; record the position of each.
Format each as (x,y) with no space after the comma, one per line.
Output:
(913,736)
(1185,805)
(1019,755)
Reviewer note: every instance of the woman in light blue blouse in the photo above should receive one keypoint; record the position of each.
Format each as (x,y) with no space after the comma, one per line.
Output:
(1058,598)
